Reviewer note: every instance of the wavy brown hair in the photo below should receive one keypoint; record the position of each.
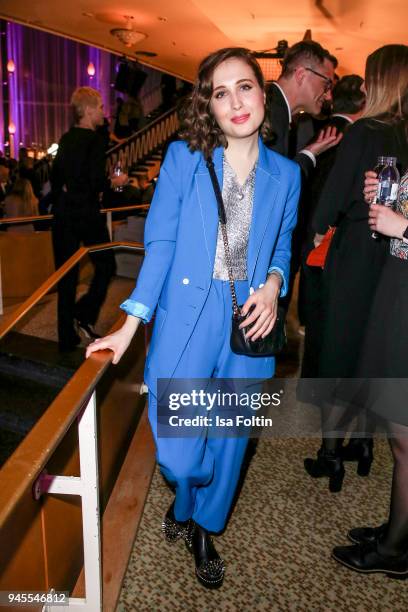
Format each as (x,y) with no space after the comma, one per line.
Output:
(198,126)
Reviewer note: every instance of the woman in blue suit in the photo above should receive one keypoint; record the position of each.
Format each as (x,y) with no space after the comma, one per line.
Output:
(184,281)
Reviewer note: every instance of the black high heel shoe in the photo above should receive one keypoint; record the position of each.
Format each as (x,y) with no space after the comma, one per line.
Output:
(328,464)
(173,529)
(210,568)
(360,450)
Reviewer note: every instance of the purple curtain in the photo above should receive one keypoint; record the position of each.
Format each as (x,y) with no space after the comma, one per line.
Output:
(3,75)
(48,69)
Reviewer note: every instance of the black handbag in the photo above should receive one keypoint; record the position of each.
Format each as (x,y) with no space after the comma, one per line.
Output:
(274,342)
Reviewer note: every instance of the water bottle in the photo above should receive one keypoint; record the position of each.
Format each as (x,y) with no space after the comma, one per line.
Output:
(388,183)
(381,163)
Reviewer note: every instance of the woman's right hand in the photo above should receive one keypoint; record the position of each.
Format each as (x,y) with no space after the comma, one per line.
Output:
(370,186)
(117,342)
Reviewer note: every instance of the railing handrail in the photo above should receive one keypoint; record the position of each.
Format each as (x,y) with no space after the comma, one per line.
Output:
(33,453)
(22,310)
(124,208)
(27,219)
(15,220)
(140,132)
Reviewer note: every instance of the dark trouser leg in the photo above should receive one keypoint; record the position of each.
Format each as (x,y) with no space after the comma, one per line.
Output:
(395,539)
(313,316)
(88,306)
(65,243)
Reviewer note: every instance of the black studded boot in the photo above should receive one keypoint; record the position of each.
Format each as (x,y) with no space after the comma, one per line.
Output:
(210,568)
(174,530)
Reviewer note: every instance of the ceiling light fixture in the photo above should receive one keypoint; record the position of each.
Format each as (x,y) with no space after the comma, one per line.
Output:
(128,36)
(271,63)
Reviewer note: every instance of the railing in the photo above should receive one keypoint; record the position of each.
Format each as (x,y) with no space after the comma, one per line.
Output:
(22,310)
(24,475)
(31,219)
(143,142)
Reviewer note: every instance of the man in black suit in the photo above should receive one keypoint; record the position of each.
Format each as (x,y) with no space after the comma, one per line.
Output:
(305,84)
(78,180)
(348,106)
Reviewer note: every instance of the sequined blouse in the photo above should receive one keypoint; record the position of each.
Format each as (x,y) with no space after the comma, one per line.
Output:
(238,204)
(398,248)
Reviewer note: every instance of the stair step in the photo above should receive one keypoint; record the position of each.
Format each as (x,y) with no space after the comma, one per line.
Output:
(37,359)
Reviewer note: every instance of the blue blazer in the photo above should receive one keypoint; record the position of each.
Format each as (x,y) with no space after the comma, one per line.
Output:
(181,237)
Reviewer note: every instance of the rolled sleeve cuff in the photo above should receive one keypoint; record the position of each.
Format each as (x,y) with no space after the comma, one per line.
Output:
(310,155)
(284,288)
(136,309)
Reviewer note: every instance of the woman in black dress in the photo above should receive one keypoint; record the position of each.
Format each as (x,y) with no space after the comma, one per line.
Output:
(355,258)
(385,361)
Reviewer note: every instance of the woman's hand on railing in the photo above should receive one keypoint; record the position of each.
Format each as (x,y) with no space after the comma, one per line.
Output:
(117,342)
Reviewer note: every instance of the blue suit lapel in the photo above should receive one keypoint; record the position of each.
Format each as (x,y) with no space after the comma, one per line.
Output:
(208,202)
(266,189)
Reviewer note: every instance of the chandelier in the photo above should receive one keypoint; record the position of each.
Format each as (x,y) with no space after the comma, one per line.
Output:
(127,35)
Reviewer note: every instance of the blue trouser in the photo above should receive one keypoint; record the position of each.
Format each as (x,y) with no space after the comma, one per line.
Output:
(205,470)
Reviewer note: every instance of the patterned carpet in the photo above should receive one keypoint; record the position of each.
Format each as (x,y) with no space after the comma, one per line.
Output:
(277,544)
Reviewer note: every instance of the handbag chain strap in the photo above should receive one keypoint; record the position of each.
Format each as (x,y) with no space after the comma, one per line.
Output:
(223,223)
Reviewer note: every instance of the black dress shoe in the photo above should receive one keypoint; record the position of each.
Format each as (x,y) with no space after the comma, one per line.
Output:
(360,450)
(172,528)
(328,464)
(210,568)
(366,559)
(366,534)
(87,330)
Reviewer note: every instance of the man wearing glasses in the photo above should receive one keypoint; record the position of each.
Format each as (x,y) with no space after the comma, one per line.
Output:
(304,85)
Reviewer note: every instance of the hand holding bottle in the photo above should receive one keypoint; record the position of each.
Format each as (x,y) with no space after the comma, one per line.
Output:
(388,183)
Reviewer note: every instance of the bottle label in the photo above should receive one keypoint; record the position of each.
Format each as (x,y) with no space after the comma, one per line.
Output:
(387,192)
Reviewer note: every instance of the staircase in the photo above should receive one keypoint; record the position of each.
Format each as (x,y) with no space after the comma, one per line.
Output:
(32,373)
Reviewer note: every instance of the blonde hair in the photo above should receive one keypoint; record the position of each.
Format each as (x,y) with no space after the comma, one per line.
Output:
(22,188)
(386,81)
(83,97)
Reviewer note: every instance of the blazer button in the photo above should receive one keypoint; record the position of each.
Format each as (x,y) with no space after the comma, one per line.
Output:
(186,281)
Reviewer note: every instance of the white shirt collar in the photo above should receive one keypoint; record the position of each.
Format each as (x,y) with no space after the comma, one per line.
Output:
(343,117)
(285,98)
